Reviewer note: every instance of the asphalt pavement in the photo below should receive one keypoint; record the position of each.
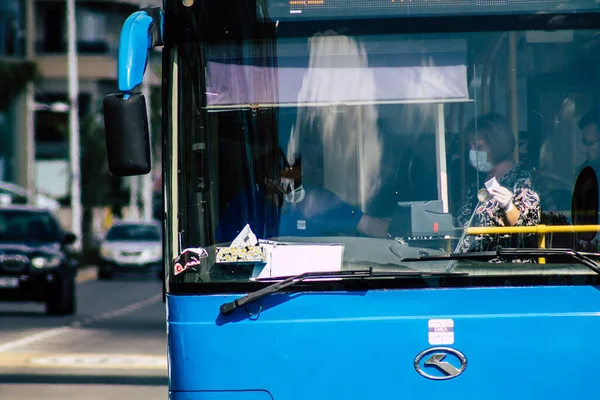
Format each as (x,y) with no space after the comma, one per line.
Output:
(113,348)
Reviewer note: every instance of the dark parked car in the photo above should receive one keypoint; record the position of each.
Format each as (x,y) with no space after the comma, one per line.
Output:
(36,263)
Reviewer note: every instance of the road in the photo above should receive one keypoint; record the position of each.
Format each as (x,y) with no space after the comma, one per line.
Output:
(113,348)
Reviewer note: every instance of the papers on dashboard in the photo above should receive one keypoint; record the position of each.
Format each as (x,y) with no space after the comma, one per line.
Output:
(288,259)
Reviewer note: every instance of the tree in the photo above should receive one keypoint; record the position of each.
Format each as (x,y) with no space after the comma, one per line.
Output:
(14,76)
(99,187)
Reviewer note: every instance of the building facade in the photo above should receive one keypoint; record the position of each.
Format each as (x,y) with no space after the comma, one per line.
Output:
(34,120)
(98,26)
(13,101)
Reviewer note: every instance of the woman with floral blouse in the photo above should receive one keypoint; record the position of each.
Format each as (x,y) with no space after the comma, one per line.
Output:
(515,202)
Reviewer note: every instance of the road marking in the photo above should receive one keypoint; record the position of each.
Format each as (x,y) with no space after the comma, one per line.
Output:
(119,312)
(104,361)
(87,274)
(49,333)
(33,338)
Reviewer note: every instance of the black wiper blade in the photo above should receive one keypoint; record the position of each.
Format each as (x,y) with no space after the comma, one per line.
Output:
(478,255)
(513,253)
(533,252)
(227,308)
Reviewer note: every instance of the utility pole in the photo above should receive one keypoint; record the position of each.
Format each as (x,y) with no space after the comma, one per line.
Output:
(74,145)
(134,210)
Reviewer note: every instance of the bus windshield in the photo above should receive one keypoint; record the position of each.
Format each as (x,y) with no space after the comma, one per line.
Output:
(347,144)
(329,9)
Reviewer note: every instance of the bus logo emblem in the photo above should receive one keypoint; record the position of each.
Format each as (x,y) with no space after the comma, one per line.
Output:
(440,363)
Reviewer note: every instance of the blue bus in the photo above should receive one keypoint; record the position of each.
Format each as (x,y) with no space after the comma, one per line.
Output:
(372,199)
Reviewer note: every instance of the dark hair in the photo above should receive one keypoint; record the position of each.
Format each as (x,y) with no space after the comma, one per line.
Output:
(493,128)
(588,119)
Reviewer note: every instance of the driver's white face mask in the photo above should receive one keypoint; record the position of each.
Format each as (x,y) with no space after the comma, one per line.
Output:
(479,160)
(296,194)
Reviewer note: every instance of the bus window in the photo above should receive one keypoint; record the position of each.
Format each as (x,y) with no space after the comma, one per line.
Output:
(421,138)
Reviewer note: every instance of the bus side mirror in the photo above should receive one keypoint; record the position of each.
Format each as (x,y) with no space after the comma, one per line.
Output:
(125,115)
(127,134)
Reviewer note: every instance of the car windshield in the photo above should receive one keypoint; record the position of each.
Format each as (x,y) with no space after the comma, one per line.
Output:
(17,226)
(387,143)
(133,233)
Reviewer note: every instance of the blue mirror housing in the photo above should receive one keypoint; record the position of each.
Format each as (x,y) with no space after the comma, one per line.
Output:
(133,50)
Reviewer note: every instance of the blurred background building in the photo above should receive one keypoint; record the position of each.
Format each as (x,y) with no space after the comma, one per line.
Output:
(34,106)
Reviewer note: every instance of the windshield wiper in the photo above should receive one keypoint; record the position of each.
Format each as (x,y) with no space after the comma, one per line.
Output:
(478,255)
(513,253)
(583,259)
(227,308)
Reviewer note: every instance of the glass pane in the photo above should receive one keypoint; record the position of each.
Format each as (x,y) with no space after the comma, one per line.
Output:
(392,145)
(376,70)
(319,9)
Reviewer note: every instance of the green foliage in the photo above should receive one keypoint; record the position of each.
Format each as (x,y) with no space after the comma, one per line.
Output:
(99,186)
(14,76)
(94,165)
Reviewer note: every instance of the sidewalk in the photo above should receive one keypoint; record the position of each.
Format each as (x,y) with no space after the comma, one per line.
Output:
(87,273)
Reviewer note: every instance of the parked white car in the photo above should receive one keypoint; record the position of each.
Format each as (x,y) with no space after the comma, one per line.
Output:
(131,246)
(15,194)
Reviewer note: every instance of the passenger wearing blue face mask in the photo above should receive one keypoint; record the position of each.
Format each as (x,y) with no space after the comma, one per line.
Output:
(514,202)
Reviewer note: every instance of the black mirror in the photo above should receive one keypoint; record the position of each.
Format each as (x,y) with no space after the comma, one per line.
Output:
(584,206)
(127,134)
(69,238)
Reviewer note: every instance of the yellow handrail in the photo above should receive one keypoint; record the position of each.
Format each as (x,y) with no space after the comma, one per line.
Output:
(540,230)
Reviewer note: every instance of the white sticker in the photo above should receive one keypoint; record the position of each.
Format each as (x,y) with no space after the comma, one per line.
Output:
(301,225)
(441,331)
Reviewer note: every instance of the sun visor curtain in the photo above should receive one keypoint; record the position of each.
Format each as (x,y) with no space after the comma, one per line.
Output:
(342,70)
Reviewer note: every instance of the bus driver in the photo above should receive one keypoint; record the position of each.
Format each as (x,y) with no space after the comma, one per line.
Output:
(307,210)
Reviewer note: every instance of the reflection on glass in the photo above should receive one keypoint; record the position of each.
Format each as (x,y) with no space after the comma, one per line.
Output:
(348,135)
(331,137)
(133,233)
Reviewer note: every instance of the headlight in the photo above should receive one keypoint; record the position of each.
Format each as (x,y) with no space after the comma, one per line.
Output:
(45,262)
(106,252)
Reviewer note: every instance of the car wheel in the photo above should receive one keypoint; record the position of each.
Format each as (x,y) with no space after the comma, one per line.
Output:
(62,300)
(105,275)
